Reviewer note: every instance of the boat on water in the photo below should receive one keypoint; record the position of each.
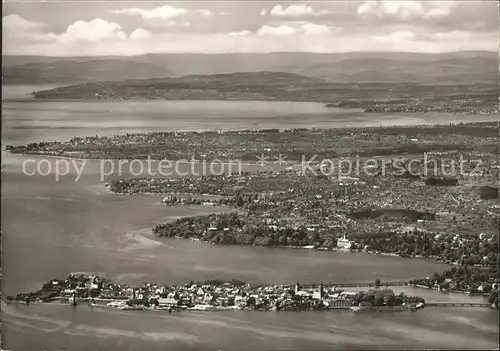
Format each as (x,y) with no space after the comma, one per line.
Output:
(202,308)
(360,308)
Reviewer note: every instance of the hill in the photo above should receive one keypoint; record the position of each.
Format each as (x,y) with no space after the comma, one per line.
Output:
(79,70)
(468,67)
(224,86)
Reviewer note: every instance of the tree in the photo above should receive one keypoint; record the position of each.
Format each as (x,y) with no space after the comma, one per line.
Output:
(377,282)
(360,296)
(493,298)
(389,299)
(444,285)
(314,237)
(378,300)
(251,301)
(486,288)
(240,202)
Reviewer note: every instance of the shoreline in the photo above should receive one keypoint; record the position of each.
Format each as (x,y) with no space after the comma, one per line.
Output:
(312,248)
(211,309)
(451,292)
(208,308)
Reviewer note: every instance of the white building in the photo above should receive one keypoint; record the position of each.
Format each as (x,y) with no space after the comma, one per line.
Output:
(213,227)
(344,244)
(167,302)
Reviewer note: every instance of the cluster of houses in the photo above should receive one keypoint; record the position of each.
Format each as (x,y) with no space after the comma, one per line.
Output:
(455,285)
(466,106)
(209,295)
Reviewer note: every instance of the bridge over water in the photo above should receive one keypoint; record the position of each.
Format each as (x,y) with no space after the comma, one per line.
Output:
(353,285)
(457,304)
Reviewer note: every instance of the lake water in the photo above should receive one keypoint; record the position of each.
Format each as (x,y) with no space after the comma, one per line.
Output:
(32,120)
(53,228)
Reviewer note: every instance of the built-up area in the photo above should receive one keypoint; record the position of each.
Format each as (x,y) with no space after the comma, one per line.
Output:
(294,145)
(215,295)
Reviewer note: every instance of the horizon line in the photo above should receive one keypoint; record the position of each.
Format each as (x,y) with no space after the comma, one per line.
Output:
(261,53)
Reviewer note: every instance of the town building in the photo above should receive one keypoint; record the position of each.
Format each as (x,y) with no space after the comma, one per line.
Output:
(340,303)
(213,227)
(344,244)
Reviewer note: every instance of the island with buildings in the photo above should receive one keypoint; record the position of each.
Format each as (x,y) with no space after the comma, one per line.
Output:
(216,295)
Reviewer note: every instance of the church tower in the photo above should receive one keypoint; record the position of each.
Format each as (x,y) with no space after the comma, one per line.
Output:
(321,290)
(297,287)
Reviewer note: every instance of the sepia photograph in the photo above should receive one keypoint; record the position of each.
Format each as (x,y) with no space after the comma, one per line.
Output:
(250,175)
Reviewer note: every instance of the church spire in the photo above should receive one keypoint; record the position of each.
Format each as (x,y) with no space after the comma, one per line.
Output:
(297,287)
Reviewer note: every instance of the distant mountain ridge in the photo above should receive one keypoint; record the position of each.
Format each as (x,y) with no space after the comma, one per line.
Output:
(469,67)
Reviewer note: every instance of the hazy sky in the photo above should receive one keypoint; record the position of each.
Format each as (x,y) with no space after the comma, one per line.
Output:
(130,28)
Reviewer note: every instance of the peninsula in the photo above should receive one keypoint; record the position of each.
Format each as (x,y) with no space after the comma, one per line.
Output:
(283,86)
(297,145)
